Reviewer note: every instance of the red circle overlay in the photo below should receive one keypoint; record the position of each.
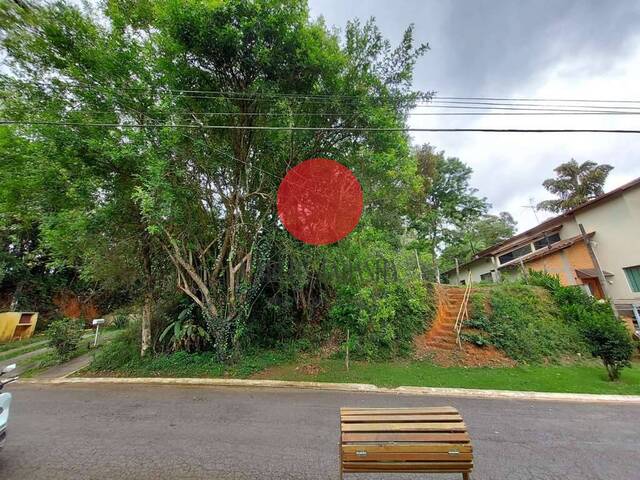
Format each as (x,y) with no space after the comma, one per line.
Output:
(319,201)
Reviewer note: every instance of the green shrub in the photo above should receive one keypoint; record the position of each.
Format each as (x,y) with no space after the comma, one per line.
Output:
(475,338)
(382,320)
(120,320)
(609,340)
(187,332)
(606,336)
(524,322)
(64,336)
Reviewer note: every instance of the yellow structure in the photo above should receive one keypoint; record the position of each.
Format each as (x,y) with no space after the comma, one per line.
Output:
(17,325)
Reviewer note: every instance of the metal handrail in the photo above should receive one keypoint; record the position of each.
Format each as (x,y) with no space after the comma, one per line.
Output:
(463,312)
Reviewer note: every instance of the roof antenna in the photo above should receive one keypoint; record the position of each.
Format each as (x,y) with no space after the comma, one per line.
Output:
(534,208)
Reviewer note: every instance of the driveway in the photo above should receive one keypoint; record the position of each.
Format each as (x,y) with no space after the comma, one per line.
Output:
(154,432)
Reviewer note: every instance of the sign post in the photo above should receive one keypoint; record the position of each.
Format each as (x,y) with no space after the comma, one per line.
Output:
(97,322)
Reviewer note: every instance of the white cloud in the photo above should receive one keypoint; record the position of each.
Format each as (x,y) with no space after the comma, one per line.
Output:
(509,168)
(544,49)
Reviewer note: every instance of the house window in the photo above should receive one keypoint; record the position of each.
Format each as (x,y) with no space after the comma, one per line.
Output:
(513,254)
(486,277)
(543,242)
(633,277)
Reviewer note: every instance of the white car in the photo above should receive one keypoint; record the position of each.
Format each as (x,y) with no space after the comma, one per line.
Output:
(5,402)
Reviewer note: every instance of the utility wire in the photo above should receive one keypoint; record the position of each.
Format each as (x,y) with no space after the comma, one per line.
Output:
(536,105)
(345,114)
(263,96)
(344,129)
(329,96)
(583,100)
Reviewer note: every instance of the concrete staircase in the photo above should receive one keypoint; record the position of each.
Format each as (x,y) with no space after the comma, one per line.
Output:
(441,336)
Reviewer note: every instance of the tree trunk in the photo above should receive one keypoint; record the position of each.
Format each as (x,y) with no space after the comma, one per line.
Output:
(147,313)
(16,297)
(149,300)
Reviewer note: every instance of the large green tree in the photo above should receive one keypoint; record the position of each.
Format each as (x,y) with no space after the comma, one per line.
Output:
(575,183)
(175,135)
(448,204)
(79,180)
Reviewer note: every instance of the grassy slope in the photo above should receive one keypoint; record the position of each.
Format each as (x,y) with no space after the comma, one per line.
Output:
(120,359)
(584,377)
(26,349)
(6,346)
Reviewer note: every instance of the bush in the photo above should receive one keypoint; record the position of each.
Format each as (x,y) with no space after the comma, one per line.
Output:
(609,340)
(606,336)
(120,320)
(475,338)
(64,336)
(382,320)
(524,322)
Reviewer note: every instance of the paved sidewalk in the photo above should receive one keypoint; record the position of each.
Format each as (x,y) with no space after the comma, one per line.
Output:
(24,362)
(68,368)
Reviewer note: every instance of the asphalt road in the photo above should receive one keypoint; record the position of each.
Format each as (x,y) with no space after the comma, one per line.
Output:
(157,432)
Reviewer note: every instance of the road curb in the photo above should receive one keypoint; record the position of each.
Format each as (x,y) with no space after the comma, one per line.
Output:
(349,387)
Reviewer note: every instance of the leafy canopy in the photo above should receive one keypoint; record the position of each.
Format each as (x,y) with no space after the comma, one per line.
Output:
(575,183)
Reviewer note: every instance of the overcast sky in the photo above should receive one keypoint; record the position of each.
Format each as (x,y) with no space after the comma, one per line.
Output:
(505,48)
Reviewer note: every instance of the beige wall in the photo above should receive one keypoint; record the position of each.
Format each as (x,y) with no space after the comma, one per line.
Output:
(478,267)
(564,263)
(617,239)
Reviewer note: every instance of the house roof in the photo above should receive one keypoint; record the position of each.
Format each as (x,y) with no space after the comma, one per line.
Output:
(591,273)
(551,224)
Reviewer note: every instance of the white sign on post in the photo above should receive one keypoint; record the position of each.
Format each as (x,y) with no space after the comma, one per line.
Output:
(97,322)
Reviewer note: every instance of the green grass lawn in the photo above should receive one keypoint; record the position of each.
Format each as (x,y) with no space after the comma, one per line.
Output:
(25,349)
(584,377)
(21,343)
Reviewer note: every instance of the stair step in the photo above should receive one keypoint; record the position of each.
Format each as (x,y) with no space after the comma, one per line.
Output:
(441,341)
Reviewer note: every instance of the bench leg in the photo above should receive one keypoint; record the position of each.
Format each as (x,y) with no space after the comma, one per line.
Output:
(466,476)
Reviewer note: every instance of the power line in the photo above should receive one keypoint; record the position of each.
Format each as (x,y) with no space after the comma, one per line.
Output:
(521,109)
(536,105)
(244,95)
(346,114)
(583,100)
(344,129)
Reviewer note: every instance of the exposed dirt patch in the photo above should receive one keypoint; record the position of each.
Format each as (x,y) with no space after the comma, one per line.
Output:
(332,345)
(470,356)
(310,369)
(272,372)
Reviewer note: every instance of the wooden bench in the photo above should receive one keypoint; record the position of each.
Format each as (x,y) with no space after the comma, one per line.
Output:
(426,440)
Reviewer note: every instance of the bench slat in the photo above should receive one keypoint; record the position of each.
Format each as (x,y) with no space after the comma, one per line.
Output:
(426,467)
(401,418)
(404,447)
(404,427)
(407,457)
(406,437)
(391,411)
